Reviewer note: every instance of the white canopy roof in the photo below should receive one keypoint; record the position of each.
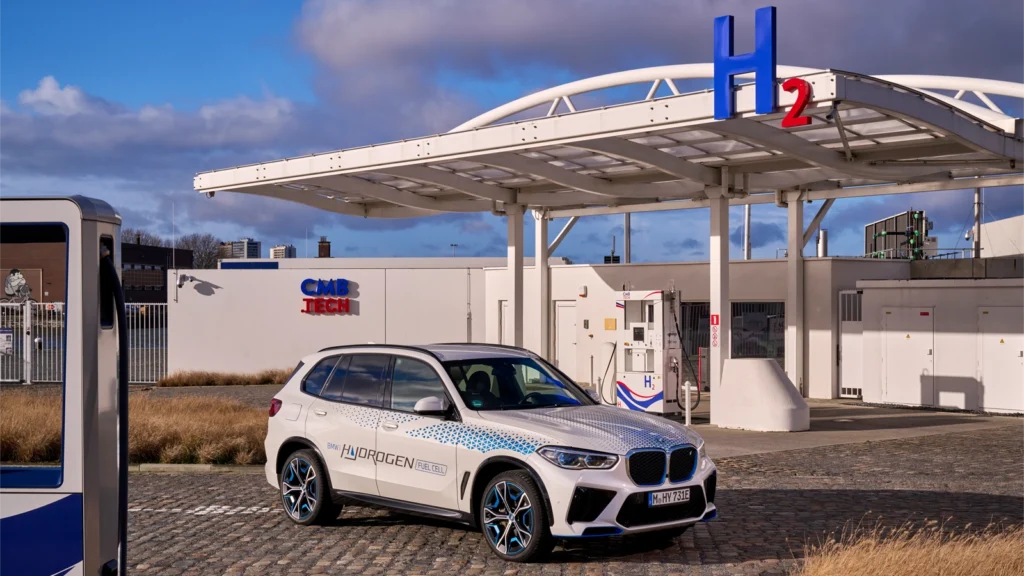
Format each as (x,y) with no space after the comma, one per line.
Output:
(868,135)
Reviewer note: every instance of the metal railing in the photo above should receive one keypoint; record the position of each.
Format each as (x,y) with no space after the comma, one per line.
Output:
(32,340)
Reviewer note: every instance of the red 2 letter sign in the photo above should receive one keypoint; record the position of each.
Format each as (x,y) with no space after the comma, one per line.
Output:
(803,95)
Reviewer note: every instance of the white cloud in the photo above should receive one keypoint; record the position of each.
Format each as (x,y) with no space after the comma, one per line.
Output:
(49,98)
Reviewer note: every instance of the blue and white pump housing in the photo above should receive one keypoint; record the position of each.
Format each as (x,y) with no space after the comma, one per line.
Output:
(70,517)
(647,353)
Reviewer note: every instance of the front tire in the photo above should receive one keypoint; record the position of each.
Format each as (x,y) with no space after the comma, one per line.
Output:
(306,490)
(513,518)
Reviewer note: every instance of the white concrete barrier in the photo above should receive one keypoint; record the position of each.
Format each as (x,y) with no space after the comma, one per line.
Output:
(756,395)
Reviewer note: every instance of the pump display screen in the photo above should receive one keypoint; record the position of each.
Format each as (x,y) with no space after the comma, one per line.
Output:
(33,272)
(638,334)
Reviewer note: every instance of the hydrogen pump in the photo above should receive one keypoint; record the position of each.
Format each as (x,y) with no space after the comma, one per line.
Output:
(648,353)
(70,516)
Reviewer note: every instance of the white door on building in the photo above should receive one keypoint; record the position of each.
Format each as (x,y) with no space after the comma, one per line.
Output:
(908,361)
(565,338)
(504,326)
(1001,358)
(851,348)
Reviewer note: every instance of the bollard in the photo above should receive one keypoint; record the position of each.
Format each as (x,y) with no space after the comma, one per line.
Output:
(687,384)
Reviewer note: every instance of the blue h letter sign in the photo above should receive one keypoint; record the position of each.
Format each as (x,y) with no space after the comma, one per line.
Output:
(761,62)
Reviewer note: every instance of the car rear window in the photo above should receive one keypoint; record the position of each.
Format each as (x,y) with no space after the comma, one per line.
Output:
(317,377)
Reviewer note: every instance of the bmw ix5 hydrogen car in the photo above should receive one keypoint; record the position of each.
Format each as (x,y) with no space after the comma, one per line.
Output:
(491,436)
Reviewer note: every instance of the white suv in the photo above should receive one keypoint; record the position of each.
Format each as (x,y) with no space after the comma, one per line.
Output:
(487,435)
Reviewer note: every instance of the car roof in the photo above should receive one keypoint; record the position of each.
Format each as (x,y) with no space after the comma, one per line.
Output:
(447,352)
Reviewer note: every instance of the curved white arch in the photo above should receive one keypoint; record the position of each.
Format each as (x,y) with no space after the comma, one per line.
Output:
(657,74)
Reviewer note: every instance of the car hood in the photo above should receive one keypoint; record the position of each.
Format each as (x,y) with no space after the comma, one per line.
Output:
(602,428)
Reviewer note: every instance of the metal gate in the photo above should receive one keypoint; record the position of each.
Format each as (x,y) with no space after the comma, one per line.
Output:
(851,351)
(147,342)
(46,341)
(32,342)
(758,331)
(12,342)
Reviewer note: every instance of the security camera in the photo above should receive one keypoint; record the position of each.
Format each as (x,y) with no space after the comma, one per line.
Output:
(211,194)
(185,278)
(967,235)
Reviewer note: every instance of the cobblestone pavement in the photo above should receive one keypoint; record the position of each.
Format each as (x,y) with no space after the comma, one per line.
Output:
(771,505)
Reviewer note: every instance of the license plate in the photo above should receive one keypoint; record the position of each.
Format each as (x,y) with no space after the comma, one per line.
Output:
(669,497)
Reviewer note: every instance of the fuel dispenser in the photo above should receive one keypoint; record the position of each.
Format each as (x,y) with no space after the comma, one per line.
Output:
(70,517)
(648,352)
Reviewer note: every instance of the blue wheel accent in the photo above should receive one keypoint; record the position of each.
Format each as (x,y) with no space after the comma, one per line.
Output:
(300,488)
(508,518)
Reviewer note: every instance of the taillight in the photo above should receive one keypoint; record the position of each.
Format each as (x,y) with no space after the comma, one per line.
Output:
(275,406)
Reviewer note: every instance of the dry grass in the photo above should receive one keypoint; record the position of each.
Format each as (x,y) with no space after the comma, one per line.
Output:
(196,430)
(931,550)
(225,379)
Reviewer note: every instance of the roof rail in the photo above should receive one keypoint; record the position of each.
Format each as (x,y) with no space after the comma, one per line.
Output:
(396,346)
(482,344)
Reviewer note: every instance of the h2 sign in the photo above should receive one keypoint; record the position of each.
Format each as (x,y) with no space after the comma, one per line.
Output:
(761,62)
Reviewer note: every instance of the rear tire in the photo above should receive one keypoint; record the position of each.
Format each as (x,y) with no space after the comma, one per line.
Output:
(306,490)
(513,518)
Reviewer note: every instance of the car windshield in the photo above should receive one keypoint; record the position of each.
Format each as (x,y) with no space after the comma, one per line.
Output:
(512,384)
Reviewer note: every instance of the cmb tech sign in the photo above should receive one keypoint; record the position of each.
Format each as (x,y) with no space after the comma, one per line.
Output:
(325,296)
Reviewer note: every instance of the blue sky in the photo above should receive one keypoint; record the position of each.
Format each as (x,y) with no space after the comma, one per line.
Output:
(127,100)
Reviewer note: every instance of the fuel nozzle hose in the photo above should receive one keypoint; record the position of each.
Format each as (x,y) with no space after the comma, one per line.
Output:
(689,364)
(108,270)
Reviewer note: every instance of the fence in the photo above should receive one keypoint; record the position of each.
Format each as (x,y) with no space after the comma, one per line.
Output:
(32,337)
(758,331)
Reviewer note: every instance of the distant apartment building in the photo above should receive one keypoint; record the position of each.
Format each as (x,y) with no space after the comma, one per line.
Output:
(282,251)
(244,248)
(323,248)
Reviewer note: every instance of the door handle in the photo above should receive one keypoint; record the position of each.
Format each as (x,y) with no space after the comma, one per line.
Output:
(389,426)
(319,412)
(929,351)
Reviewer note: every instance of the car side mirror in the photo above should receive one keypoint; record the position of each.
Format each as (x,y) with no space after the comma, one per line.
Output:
(593,395)
(429,406)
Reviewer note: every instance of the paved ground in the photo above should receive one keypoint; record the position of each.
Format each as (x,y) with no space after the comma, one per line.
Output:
(771,505)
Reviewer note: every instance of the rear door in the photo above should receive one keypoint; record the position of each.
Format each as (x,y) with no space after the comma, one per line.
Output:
(343,420)
(417,466)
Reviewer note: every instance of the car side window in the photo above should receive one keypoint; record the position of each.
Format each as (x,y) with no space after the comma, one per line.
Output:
(364,381)
(314,382)
(333,388)
(411,381)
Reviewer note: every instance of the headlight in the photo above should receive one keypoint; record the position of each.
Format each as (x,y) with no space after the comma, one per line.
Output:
(578,459)
(702,456)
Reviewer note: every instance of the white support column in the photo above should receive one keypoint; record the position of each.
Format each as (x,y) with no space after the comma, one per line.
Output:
(721,307)
(795,291)
(746,231)
(540,257)
(515,269)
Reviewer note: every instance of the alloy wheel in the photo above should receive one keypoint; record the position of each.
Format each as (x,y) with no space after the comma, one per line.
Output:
(300,488)
(508,518)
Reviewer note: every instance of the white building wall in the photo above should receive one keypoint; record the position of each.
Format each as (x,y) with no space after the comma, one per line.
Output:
(956,309)
(1002,237)
(250,320)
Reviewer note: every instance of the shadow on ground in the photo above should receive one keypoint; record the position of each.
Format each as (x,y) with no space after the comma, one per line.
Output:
(757,525)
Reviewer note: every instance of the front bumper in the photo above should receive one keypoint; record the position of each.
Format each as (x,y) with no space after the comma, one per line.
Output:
(627,511)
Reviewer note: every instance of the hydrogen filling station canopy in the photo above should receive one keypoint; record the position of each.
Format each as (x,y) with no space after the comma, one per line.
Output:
(791,136)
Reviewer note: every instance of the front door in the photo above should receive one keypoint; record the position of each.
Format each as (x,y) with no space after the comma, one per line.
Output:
(1001,362)
(565,338)
(416,466)
(908,363)
(343,421)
